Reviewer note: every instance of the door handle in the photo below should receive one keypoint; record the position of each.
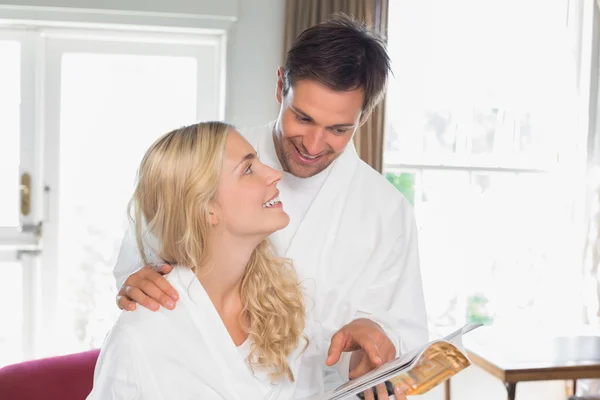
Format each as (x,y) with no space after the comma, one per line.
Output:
(25,194)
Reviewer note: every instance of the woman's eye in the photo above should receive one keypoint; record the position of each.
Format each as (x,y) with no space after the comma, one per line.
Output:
(248,170)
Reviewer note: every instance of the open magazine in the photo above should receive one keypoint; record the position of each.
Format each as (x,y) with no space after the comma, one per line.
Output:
(417,371)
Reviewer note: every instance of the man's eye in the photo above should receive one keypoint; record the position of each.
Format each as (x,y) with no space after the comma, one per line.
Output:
(248,170)
(302,119)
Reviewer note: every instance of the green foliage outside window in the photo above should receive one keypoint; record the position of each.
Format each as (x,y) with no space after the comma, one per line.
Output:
(405,183)
(478,309)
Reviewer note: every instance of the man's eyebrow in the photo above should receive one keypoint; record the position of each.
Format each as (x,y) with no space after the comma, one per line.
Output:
(299,111)
(349,125)
(249,156)
(305,115)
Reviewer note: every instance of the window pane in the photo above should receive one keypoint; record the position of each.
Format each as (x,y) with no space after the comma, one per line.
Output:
(112,108)
(11,327)
(10,98)
(491,247)
(442,257)
(439,131)
(462,98)
(481,131)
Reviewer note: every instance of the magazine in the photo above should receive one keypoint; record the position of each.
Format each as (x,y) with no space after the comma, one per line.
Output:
(417,371)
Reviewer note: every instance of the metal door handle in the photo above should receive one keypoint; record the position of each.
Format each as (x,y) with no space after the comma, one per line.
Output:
(25,194)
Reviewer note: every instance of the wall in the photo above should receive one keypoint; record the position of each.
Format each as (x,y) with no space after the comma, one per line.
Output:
(255,52)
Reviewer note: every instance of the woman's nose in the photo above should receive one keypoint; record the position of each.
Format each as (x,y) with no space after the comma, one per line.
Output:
(272,175)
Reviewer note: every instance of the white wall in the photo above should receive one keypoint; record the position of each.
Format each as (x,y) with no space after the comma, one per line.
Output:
(255,53)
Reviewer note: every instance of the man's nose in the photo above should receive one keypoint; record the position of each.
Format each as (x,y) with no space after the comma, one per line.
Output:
(314,142)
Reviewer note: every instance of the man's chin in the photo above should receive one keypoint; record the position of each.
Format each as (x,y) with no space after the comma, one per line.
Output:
(303,171)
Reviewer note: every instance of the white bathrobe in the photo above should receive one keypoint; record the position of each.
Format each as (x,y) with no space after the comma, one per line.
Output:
(182,354)
(354,246)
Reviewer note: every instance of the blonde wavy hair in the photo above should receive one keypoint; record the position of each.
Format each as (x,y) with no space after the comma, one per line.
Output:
(178,181)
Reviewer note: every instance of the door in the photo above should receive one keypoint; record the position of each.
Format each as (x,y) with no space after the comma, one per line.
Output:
(21,194)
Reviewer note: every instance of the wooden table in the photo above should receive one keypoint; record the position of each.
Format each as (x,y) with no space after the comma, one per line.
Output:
(513,360)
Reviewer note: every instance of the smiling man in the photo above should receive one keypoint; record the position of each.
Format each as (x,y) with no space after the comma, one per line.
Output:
(352,235)
(313,136)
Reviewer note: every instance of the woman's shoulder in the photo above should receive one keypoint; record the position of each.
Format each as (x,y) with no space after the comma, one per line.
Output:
(151,326)
(140,327)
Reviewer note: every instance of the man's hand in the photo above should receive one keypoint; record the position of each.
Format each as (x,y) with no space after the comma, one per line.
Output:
(149,288)
(371,348)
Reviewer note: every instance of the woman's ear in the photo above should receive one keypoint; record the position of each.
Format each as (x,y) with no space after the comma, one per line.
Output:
(212,216)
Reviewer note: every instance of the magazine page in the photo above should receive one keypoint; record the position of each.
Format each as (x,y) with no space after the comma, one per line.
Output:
(438,363)
(382,372)
(418,370)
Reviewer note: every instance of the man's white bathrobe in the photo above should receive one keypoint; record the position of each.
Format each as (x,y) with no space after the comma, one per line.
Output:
(182,354)
(353,240)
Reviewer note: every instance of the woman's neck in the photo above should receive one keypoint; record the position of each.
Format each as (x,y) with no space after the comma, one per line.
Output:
(222,280)
(222,277)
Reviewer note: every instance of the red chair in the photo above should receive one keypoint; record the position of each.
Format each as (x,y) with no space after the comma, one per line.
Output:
(67,377)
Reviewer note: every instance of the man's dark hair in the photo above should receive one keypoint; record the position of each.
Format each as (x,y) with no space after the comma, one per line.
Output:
(342,54)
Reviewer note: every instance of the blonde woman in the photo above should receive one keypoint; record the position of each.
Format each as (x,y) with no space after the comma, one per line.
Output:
(208,204)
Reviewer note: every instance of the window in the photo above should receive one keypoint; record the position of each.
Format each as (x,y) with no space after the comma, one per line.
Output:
(482,137)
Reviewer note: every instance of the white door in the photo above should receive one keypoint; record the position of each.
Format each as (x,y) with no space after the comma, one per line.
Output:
(20,196)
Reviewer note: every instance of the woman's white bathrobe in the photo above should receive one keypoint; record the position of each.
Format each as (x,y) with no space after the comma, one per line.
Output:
(182,354)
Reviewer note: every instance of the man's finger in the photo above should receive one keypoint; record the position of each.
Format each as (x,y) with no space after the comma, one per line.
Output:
(399,393)
(139,297)
(369,394)
(125,304)
(164,284)
(164,269)
(387,352)
(382,393)
(154,292)
(370,348)
(362,368)
(338,343)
